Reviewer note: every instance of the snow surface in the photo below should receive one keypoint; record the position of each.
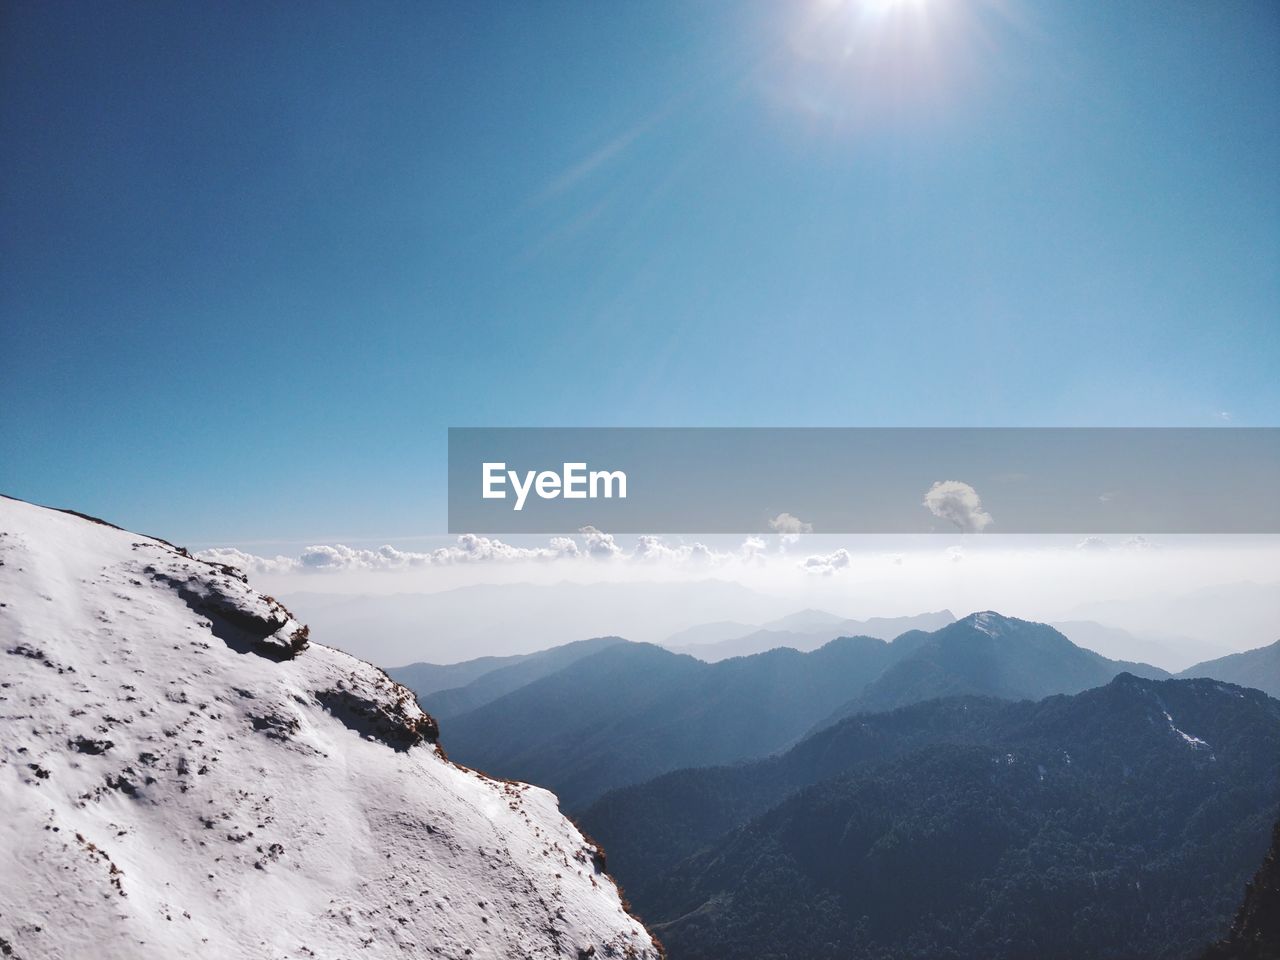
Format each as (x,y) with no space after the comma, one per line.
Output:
(987,622)
(183,775)
(1195,743)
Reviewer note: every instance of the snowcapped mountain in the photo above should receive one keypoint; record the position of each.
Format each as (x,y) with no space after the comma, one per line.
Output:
(183,773)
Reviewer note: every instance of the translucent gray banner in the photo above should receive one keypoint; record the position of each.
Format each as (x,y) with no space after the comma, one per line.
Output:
(864,480)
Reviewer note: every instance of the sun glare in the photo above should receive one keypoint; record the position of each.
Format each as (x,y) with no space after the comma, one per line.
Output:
(855,63)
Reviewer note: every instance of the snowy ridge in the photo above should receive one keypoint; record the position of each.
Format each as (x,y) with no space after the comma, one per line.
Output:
(184,774)
(987,622)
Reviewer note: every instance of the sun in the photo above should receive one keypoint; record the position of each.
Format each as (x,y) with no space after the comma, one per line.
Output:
(854,64)
(874,9)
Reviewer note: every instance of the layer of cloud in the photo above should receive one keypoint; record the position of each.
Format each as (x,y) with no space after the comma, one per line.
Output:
(958,504)
(592,545)
(1099,544)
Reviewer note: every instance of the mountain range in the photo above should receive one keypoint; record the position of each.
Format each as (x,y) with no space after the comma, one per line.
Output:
(630,712)
(804,631)
(189,772)
(809,629)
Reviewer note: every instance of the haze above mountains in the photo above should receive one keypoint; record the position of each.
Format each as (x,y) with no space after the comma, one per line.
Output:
(715,618)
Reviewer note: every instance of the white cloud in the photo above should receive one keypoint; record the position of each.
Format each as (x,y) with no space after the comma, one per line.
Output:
(785,523)
(655,550)
(826,564)
(955,554)
(753,550)
(565,547)
(592,545)
(958,504)
(1093,543)
(600,544)
(248,562)
(473,549)
(321,558)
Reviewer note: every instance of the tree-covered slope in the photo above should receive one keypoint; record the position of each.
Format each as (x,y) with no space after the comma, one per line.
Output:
(1120,822)
(633,711)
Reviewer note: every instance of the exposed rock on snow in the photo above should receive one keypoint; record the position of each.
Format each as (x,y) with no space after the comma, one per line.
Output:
(183,774)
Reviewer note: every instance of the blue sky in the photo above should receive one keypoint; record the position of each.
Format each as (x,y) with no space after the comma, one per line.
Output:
(257,259)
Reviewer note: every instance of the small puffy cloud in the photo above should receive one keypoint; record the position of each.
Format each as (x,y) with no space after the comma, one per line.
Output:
(826,564)
(564,547)
(248,562)
(787,524)
(650,549)
(958,504)
(653,550)
(473,549)
(894,558)
(338,557)
(955,554)
(599,544)
(1093,544)
(753,550)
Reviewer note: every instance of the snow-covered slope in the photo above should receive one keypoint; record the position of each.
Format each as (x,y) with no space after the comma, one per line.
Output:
(182,774)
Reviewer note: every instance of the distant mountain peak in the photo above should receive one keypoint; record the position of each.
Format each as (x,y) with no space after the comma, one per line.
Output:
(996,624)
(988,622)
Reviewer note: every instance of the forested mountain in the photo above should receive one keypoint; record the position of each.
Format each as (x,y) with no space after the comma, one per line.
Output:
(1120,822)
(1254,668)
(806,630)
(633,711)
(990,655)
